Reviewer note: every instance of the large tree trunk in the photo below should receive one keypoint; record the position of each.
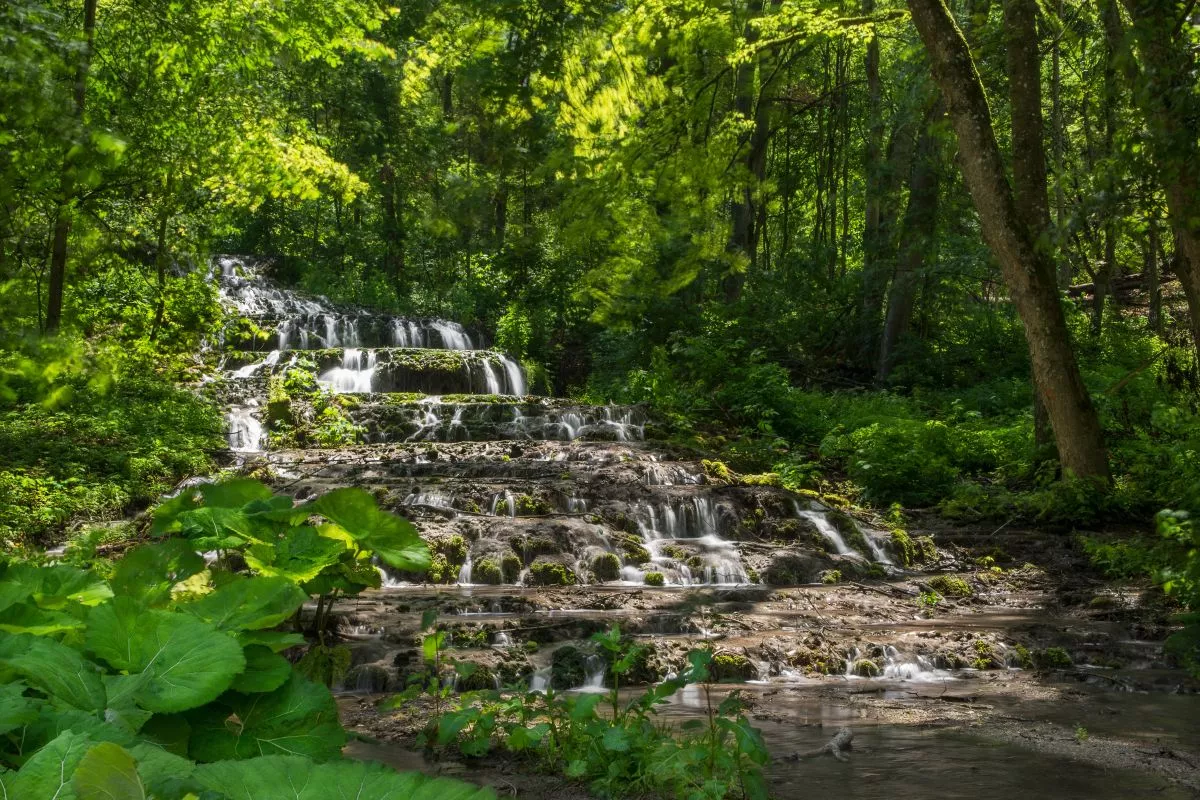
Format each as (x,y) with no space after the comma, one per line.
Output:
(1027,271)
(66,195)
(1029,168)
(918,243)
(1172,108)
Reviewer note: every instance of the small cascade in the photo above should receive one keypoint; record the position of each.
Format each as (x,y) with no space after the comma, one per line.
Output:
(514,377)
(826,528)
(539,681)
(464,572)
(691,525)
(246,432)
(506,501)
(431,499)
(593,683)
(355,374)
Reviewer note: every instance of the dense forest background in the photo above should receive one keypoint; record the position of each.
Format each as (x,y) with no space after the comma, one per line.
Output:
(818,238)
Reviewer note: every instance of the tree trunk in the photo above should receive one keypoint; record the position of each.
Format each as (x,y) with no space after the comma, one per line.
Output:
(1113,34)
(1029,160)
(1058,145)
(1168,98)
(1150,272)
(918,243)
(1028,273)
(66,196)
(875,268)
(749,104)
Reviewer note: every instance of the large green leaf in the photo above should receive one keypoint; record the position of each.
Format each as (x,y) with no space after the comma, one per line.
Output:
(53,588)
(47,774)
(166,514)
(277,641)
(26,618)
(108,772)
(299,556)
(180,661)
(15,708)
(248,603)
(265,671)
(55,669)
(299,718)
(394,539)
(149,572)
(234,493)
(289,778)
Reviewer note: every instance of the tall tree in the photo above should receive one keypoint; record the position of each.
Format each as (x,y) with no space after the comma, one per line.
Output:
(1166,91)
(67,191)
(1027,271)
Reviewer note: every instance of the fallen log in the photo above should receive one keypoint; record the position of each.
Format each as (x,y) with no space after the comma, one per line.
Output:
(838,747)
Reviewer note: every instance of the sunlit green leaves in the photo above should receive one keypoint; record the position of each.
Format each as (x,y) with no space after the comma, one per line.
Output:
(55,669)
(174,661)
(392,538)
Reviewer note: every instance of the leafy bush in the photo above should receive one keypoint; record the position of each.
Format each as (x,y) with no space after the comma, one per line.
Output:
(623,752)
(126,686)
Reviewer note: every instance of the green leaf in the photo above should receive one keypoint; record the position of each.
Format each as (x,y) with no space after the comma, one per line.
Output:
(25,618)
(15,708)
(299,718)
(616,739)
(108,772)
(181,661)
(148,573)
(289,778)
(248,603)
(166,514)
(265,671)
(234,493)
(394,539)
(299,557)
(47,774)
(277,641)
(55,669)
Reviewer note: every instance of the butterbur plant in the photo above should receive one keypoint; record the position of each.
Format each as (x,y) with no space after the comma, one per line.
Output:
(167,680)
(327,547)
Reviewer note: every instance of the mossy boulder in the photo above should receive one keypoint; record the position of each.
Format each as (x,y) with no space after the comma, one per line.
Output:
(732,668)
(510,567)
(866,668)
(568,667)
(765,479)
(654,579)
(606,567)
(550,573)
(486,570)
(950,586)
(475,678)
(369,678)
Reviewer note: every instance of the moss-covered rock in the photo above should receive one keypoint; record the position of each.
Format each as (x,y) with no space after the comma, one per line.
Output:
(486,570)
(550,573)
(368,678)
(510,567)
(606,567)
(792,569)
(717,471)
(654,579)
(950,586)
(765,479)
(831,576)
(866,668)
(1052,658)
(568,667)
(472,677)
(732,668)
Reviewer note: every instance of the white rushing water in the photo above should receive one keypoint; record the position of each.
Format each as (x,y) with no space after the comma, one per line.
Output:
(693,526)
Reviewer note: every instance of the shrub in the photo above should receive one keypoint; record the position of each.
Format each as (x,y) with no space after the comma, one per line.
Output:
(654,579)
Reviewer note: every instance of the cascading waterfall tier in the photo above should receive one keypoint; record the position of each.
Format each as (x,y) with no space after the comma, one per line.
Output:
(508,487)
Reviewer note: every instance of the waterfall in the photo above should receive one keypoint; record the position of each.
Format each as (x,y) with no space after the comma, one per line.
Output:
(356,373)
(453,336)
(515,378)
(246,434)
(825,527)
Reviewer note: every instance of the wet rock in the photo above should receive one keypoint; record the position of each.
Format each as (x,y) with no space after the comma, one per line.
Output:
(793,569)
(368,678)
(569,667)
(730,667)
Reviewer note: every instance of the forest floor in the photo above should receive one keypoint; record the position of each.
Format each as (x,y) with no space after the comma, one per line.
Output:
(937,697)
